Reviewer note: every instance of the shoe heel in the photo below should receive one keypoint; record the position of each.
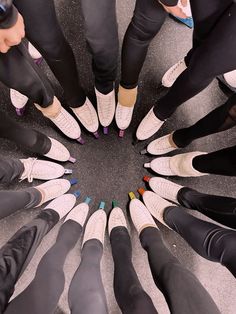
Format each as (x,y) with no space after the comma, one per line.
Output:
(20,111)
(105,130)
(73,181)
(77,193)
(80,140)
(121,133)
(96,134)
(72,159)
(143,152)
(68,171)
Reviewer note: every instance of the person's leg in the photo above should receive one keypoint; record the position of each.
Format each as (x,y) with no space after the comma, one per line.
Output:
(222,162)
(43,293)
(209,240)
(130,295)
(44,32)
(10,169)
(16,254)
(218,120)
(181,289)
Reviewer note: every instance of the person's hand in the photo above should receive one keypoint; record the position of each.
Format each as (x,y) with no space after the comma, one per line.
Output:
(12,36)
(176,10)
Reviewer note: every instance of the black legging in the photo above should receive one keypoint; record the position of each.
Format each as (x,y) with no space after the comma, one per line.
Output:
(218,120)
(44,291)
(182,290)
(214,37)
(221,162)
(212,242)
(130,296)
(29,139)
(219,208)
(16,254)
(149,16)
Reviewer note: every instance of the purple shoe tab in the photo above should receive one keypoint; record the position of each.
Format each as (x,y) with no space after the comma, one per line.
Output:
(105,130)
(81,140)
(68,171)
(38,61)
(20,111)
(121,133)
(77,193)
(96,134)
(73,181)
(72,159)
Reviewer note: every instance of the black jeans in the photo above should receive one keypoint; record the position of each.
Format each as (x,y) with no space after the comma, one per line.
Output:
(221,162)
(44,291)
(32,140)
(149,16)
(219,208)
(129,293)
(212,242)
(182,290)
(214,43)
(16,254)
(220,119)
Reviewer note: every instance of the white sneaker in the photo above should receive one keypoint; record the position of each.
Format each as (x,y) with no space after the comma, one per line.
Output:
(179,165)
(62,205)
(116,219)
(59,152)
(68,125)
(19,101)
(79,213)
(123,116)
(52,189)
(173,73)
(87,115)
(156,205)
(41,170)
(161,146)
(35,54)
(164,188)
(148,126)
(230,78)
(106,105)
(140,216)
(95,228)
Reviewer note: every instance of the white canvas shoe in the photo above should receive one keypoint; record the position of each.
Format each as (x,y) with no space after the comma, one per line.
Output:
(123,117)
(62,204)
(19,101)
(161,146)
(35,54)
(173,73)
(140,215)
(59,152)
(68,125)
(53,189)
(164,188)
(148,126)
(87,115)
(95,228)
(156,205)
(79,213)
(178,165)
(106,105)
(41,170)
(230,78)
(116,219)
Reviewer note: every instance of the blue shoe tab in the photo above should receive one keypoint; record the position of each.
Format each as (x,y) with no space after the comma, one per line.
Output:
(77,193)
(114,203)
(73,181)
(102,205)
(68,171)
(188,21)
(88,200)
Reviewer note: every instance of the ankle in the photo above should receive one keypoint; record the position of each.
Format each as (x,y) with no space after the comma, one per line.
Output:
(127,97)
(52,110)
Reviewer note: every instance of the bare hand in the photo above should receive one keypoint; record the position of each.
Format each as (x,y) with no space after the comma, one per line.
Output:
(12,36)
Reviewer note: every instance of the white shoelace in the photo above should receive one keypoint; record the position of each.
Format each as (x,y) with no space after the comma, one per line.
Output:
(28,165)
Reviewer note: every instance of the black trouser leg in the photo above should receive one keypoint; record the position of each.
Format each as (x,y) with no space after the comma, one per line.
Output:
(16,254)
(182,290)
(147,20)
(43,293)
(212,242)
(130,295)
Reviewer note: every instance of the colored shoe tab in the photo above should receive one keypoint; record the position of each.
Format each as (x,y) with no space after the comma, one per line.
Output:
(73,181)
(102,205)
(114,204)
(68,171)
(188,21)
(88,200)
(141,191)
(132,195)
(146,178)
(77,193)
